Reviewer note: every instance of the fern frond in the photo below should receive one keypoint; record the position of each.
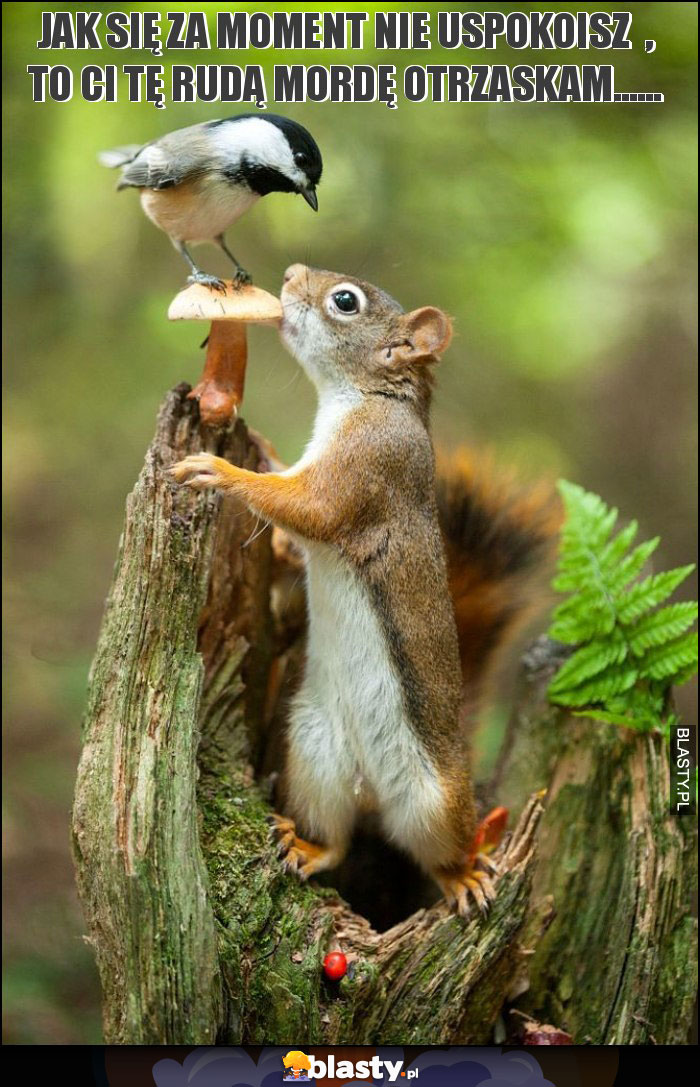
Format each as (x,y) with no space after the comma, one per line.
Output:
(612,681)
(629,653)
(663,626)
(615,550)
(588,661)
(587,516)
(625,720)
(667,661)
(583,616)
(685,674)
(630,567)
(651,592)
(645,701)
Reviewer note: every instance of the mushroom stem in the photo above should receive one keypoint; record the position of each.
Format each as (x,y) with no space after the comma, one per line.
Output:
(220,388)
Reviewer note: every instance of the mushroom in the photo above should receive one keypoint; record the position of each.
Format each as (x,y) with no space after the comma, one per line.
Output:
(220,388)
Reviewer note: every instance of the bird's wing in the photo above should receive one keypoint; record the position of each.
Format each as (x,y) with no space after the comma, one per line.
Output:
(169,161)
(151,169)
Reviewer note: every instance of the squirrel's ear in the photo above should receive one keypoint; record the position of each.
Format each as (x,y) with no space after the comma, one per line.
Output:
(427,332)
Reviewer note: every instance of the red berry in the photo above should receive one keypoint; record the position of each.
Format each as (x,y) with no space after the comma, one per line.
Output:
(335,965)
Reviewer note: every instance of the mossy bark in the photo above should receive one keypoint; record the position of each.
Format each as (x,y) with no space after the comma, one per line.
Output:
(618,963)
(199,935)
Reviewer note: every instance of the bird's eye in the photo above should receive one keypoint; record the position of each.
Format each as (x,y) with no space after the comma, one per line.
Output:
(346,302)
(300,158)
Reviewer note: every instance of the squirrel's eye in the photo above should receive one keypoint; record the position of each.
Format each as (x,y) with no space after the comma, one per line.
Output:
(346,302)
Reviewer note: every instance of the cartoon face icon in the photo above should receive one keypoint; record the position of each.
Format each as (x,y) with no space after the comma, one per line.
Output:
(296,1065)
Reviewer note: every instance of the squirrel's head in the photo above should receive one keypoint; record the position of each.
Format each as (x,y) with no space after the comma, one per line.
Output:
(348,333)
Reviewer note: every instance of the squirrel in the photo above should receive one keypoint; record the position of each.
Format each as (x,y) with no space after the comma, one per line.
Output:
(413,585)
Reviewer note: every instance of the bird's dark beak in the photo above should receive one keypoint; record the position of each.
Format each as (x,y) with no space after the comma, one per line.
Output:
(309,194)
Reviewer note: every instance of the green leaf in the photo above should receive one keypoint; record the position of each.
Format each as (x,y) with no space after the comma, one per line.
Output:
(574,573)
(572,630)
(666,661)
(644,700)
(613,552)
(651,592)
(631,566)
(587,515)
(613,681)
(582,616)
(662,626)
(684,674)
(628,654)
(608,718)
(588,662)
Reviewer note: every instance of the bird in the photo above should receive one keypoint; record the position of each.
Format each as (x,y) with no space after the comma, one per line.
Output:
(197,181)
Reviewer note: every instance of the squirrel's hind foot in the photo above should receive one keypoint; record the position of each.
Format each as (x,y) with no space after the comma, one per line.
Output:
(302,858)
(474,881)
(472,884)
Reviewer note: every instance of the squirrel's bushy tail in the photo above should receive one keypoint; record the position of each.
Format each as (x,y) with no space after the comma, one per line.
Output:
(500,541)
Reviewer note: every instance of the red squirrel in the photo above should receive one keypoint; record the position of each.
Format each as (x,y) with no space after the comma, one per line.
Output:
(412,584)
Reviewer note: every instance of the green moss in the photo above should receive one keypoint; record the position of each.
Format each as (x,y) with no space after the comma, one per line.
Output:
(273,930)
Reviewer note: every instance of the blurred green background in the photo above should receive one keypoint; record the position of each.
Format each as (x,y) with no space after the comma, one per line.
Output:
(561,238)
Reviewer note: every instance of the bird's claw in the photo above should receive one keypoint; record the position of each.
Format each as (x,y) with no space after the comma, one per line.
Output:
(206,280)
(242,278)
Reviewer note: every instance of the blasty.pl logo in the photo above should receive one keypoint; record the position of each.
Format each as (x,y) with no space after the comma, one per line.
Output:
(300,1068)
(296,1066)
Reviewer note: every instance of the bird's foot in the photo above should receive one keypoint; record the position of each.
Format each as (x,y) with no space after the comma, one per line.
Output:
(242,278)
(205,280)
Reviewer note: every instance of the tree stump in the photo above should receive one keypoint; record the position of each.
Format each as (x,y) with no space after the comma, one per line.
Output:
(199,935)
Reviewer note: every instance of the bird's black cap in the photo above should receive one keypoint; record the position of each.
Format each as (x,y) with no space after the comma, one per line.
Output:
(304,147)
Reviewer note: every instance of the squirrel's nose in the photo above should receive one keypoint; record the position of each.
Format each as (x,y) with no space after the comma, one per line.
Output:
(293,272)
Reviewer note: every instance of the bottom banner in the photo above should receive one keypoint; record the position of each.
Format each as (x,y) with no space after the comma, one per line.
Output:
(547,1065)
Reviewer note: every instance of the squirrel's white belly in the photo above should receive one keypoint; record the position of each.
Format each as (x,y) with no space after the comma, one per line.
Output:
(197,211)
(349,735)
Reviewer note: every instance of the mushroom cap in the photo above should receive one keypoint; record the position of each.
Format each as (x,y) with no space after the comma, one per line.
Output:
(238,303)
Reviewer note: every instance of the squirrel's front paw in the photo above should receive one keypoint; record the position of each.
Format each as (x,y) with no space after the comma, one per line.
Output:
(200,470)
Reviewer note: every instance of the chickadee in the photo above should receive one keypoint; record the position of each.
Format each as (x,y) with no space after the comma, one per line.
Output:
(199,180)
